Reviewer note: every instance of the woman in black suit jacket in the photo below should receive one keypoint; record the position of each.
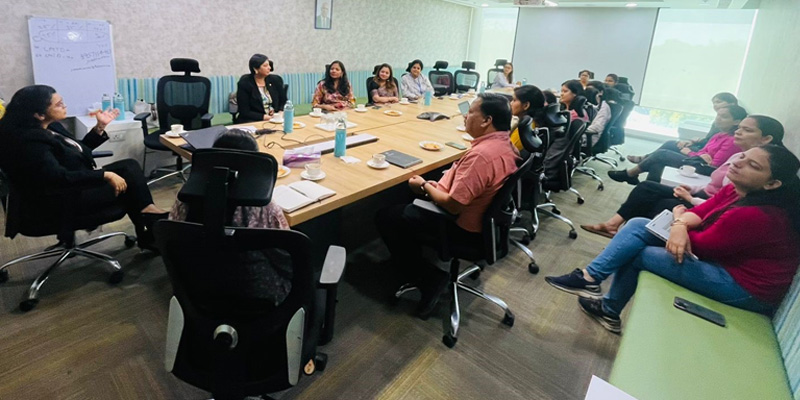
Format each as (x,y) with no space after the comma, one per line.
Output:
(258,93)
(45,163)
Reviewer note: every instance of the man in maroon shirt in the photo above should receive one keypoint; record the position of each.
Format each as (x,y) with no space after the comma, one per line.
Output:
(465,190)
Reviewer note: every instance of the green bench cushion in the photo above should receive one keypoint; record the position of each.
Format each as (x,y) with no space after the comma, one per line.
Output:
(667,353)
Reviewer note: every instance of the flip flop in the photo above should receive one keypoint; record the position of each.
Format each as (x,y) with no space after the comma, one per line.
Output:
(590,228)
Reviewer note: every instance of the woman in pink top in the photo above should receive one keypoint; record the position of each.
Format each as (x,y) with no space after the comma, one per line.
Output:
(739,247)
(570,90)
(714,153)
(648,199)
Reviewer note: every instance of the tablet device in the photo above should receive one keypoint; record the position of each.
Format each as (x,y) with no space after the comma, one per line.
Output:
(399,159)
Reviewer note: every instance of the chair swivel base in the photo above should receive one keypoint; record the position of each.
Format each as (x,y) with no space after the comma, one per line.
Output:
(181,173)
(523,245)
(63,251)
(592,174)
(450,337)
(555,213)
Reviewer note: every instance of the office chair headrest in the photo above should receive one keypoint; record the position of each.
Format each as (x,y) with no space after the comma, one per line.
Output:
(440,65)
(500,62)
(530,142)
(578,105)
(251,176)
(376,69)
(552,112)
(186,65)
(468,65)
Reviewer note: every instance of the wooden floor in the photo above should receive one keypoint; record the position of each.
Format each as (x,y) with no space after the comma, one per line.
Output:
(90,340)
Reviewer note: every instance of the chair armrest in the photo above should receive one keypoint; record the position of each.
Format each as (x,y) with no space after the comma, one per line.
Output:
(333,266)
(141,116)
(205,120)
(102,153)
(431,208)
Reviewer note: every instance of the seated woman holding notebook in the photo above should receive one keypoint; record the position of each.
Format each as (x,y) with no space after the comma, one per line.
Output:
(269,271)
(648,198)
(745,238)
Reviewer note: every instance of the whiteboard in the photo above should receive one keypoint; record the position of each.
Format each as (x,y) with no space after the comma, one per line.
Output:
(74,56)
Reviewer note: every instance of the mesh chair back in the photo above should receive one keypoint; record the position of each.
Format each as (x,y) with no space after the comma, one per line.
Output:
(604,142)
(617,134)
(465,78)
(183,99)
(442,81)
(566,160)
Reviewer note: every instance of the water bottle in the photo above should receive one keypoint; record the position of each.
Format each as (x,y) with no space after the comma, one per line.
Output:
(339,142)
(482,87)
(106,104)
(524,81)
(119,104)
(428,97)
(288,117)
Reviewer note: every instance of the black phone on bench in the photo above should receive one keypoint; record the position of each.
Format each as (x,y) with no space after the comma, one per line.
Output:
(699,311)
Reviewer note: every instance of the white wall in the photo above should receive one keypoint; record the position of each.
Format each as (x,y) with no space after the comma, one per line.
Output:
(769,82)
(553,44)
(492,37)
(223,35)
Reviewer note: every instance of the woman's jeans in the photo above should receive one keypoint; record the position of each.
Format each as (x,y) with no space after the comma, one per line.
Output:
(635,249)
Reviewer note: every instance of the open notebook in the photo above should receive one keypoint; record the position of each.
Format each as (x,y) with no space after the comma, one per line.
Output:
(299,194)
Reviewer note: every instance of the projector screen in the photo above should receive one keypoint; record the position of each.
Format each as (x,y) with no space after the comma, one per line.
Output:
(553,44)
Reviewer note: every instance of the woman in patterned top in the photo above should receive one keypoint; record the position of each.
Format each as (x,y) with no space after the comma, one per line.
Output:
(382,88)
(334,92)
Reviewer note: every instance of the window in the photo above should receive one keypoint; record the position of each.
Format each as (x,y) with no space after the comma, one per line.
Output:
(495,38)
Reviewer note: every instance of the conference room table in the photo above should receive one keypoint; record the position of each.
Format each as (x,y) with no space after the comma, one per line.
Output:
(353,182)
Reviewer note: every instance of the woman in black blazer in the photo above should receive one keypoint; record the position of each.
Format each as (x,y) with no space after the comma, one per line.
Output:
(45,163)
(259,94)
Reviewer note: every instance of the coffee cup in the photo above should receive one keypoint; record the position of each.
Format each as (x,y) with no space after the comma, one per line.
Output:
(177,128)
(378,159)
(316,110)
(313,170)
(687,170)
(404,100)
(361,106)
(471,91)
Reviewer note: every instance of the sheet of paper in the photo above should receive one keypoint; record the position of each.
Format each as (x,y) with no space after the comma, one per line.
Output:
(602,390)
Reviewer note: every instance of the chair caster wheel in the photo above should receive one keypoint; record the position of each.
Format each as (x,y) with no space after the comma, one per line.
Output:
(475,275)
(556,211)
(533,268)
(116,277)
(526,240)
(28,305)
(601,188)
(321,361)
(3,276)
(130,241)
(621,158)
(581,200)
(508,319)
(573,234)
(449,340)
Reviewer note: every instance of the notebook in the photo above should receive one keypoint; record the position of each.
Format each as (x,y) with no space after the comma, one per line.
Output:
(660,225)
(399,159)
(297,195)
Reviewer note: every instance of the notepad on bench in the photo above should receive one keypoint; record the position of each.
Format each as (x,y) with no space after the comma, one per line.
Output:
(297,195)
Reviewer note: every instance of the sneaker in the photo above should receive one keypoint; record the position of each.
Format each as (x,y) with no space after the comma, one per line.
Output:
(594,309)
(622,176)
(575,284)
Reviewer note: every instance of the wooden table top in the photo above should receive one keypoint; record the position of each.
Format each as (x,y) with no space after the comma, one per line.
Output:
(353,182)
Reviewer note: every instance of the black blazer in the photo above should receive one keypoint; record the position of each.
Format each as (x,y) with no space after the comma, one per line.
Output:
(249,98)
(40,163)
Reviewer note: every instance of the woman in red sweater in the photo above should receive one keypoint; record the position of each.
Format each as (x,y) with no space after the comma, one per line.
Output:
(745,237)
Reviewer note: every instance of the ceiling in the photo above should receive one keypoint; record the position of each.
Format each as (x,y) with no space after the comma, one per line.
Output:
(702,4)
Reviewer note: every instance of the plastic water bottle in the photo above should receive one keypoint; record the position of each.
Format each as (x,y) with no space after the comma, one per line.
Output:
(339,141)
(428,97)
(288,117)
(482,87)
(106,104)
(119,104)
(524,81)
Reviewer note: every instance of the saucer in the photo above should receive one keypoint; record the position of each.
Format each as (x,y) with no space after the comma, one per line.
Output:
(276,120)
(405,104)
(174,134)
(311,114)
(362,110)
(467,137)
(461,128)
(298,125)
(692,175)
(455,98)
(283,171)
(430,146)
(393,113)
(305,175)
(378,166)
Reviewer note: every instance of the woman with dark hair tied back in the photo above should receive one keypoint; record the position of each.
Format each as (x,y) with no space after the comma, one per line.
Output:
(414,84)
(744,239)
(506,78)
(598,125)
(611,80)
(259,94)
(268,273)
(584,77)
(334,92)
(526,100)
(382,88)
(569,91)
(45,162)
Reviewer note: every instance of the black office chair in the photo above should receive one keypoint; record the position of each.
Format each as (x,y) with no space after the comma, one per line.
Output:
(442,81)
(222,336)
(595,152)
(617,134)
(181,99)
(492,73)
(466,78)
(22,217)
(497,220)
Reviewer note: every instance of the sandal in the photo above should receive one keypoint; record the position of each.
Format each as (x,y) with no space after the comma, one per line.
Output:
(598,229)
(635,159)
